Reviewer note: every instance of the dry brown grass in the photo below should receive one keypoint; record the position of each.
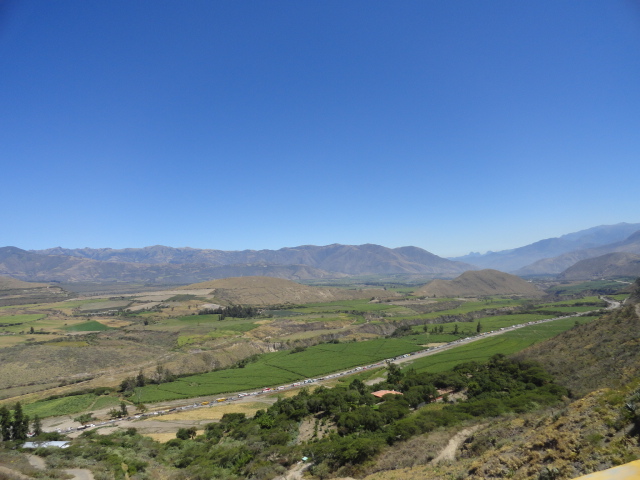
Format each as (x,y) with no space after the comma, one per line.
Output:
(216,411)
(270,291)
(165,437)
(481,282)
(113,322)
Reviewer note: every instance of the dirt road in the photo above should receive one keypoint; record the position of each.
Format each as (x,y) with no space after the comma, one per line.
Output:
(449,452)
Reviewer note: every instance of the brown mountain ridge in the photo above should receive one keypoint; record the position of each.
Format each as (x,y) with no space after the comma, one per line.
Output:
(480,283)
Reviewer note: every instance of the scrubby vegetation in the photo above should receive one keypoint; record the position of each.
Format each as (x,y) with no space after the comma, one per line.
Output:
(263,446)
(349,431)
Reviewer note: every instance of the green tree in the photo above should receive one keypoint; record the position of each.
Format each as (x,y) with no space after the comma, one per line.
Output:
(186,433)
(123,409)
(394,375)
(115,413)
(479,328)
(5,423)
(455,329)
(20,424)
(141,380)
(84,418)
(36,425)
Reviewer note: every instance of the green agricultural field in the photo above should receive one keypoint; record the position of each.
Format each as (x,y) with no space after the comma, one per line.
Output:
(105,401)
(571,309)
(71,405)
(507,343)
(466,307)
(20,319)
(488,323)
(619,298)
(577,301)
(73,303)
(310,334)
(286,367)
(197,328)
(43,324)
(89,326)
(280,367)
(60,406)
(198,318)
(344,305)
(104,305)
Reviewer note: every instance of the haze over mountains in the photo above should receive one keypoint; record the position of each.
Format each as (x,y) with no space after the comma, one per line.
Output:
(560,263)
(520,260)
(163,265)
(166,265)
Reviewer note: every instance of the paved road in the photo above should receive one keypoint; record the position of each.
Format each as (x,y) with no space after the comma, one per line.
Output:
(175,406)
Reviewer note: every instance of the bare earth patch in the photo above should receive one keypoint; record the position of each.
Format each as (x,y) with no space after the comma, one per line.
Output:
(449,452)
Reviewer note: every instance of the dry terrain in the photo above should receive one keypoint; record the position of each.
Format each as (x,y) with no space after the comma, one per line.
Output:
(480,283)
(275,291)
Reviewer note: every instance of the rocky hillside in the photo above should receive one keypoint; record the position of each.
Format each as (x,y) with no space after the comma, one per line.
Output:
(517,258)
(17,292)
(556,265)
(603,353)
(634,297)
(274,291)
(29,266)
(594,430)
(617,264)
(480,283)
(336,258)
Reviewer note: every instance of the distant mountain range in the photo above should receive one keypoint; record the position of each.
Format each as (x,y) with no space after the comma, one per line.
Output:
(557,265)
(162,265)
(167,265)
(343,259)
(553,255)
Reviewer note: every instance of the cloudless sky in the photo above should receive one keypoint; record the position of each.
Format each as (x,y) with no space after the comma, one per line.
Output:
(449,125)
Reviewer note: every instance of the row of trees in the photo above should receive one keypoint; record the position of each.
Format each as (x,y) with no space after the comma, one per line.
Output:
(161,375)
(233,311)
(14,425)
(357,425)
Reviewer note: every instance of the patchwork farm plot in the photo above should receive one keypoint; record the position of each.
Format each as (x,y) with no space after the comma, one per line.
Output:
(507,343)
(161,334)
(277,368)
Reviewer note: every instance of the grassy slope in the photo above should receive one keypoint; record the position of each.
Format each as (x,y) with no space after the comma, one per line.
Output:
(588,434)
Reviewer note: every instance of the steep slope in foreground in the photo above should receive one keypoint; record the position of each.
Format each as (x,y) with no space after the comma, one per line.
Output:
(599,362)
(273,291)
(611,265)
(603,353)
(480,283)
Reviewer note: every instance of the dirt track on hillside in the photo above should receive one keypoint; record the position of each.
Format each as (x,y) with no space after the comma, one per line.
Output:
(449,452)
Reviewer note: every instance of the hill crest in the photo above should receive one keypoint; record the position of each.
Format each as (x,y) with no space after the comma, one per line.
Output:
(480,283)
(257,290)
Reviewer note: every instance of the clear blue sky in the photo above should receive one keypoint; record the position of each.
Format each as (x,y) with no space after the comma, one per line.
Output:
(448,125)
